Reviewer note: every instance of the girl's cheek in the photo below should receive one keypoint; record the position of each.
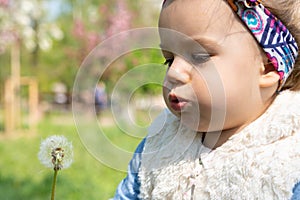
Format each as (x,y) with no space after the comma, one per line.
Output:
(165,94)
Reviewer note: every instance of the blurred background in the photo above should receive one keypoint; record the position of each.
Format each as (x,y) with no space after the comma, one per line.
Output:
(42,46)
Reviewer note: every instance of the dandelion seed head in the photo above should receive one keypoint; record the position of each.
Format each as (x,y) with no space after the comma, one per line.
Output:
(56,152)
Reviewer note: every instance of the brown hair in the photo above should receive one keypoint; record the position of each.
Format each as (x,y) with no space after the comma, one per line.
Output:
(288,11)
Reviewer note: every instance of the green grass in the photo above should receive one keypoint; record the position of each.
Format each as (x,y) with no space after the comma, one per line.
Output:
(23,177)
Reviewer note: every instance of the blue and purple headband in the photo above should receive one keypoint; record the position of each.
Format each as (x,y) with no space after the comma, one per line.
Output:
(276,40)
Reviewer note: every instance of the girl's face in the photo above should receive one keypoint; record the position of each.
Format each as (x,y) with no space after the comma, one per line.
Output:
(214,86)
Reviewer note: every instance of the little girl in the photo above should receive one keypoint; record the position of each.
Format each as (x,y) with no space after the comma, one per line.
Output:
(232,128)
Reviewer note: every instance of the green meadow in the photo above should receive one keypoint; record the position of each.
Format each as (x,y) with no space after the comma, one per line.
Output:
(23,177)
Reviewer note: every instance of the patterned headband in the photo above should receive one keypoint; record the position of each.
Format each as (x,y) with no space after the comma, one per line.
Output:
(276,40)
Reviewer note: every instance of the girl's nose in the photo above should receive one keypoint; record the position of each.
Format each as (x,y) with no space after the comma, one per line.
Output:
(179,72)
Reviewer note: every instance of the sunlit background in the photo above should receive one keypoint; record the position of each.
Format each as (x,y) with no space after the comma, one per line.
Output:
(43,43)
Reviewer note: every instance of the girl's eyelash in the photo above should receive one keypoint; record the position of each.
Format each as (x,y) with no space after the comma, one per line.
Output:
(200,57)
(197,58)
(169,61)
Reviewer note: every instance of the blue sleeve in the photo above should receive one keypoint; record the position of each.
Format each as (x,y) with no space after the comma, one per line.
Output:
(129,188)
(296,192)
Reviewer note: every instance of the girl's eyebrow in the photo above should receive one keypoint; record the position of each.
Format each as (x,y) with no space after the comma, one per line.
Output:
(207,45)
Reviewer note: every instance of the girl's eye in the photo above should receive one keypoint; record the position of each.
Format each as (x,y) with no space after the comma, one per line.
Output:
(199,58)
(169,62)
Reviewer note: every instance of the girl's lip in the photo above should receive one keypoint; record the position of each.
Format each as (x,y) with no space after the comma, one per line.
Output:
(177,103)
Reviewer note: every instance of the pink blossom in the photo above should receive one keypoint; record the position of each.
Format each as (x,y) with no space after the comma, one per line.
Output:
(4,3)
(79,29)
(120,21)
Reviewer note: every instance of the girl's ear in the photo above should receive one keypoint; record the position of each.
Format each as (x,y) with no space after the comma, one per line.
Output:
(269,76)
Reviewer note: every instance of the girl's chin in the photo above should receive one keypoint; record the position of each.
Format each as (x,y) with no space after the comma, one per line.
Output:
(177,114)
(190,118)
(190,121)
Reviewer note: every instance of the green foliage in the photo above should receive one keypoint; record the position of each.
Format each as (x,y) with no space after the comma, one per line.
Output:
(61,62)
(4,73)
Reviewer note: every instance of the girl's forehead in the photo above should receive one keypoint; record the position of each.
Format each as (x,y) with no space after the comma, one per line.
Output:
(209,9)
(198,17)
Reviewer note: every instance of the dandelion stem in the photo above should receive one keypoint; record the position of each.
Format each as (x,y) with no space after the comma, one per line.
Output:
(54,184)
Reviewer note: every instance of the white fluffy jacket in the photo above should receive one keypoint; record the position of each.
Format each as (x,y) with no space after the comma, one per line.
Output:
(260,162)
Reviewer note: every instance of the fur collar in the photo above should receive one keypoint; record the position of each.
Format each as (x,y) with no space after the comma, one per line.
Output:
(260,162)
